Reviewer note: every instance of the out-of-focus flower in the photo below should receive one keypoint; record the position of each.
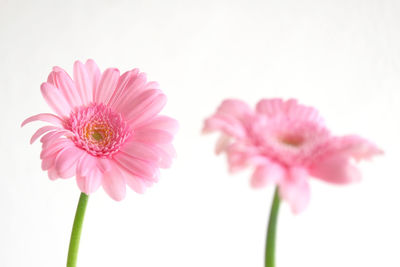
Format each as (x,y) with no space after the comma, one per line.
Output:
(106,130)
(286,143)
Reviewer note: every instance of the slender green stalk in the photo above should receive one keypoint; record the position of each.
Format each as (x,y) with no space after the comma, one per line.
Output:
(76,230)
(271,233)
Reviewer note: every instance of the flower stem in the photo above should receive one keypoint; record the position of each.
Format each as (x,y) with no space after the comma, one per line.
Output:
(76,230)
(271,233)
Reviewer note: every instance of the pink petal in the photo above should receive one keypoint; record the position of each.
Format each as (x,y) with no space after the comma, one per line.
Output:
(49,149)
(241,155)
(47,117)
(134,88)
(136,167)
(234,108)
(42,131)
(142,151)
(124,82)
(353,146)
(60,79)
(66,161)
(289,109)
(270,107)
(107,85)
(222,144)
(104,165)
(144,107)
(336,169)
(48,163)
(83,82)
(91,182)
(55,99)
(162,123)
(295,189)
(150,111)
(269,173)
(135,183)
(138,103)
(86,164)
(167,153)
(231,118)
(114,184)
(52,173)
(54,135)
(227,124)
(152,136)
(94,74)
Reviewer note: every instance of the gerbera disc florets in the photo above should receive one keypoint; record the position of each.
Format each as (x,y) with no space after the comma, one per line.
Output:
(98,130)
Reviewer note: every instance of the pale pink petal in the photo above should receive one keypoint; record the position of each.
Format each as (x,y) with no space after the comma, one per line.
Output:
(136,184)
(47,117)
(91,182)
(270,107)
(152,136)
(52,173)
(353,146)
(42,131)
(266,174)
(336,169)
(134,88)
(50,152)
(94,74)
(144,107)
(51,137)
(60,79)
(114,184)
(104,164)
(142,151)
(150,111)
(167,154)
(50,148)
(231,118)
(123,86)
(222,144)
(137,104)
(234,108)
(86,164)
(55,99)
(295,189)
(226,124)
(83,82)
(108,83)
(289,109)
(49,162)
(55,135)
(136,167)
(66,161)
(241,155)
(162,123)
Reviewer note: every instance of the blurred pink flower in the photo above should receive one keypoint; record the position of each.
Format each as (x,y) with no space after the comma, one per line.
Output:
(286,143)
(106,130)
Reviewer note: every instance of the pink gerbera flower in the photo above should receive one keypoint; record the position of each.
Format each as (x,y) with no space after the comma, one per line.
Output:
(286,143)
(106,131)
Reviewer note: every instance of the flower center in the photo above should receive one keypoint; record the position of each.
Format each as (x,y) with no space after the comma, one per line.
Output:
(98,130)
(97,136)
(292,140)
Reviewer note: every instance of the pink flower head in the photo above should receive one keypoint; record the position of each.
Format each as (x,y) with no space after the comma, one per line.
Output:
(106,130)
(286,143)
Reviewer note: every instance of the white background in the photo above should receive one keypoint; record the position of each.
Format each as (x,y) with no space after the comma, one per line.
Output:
(342,57)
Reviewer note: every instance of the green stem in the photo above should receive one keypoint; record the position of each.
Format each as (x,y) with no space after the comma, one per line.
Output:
(271,233)
(76,230)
